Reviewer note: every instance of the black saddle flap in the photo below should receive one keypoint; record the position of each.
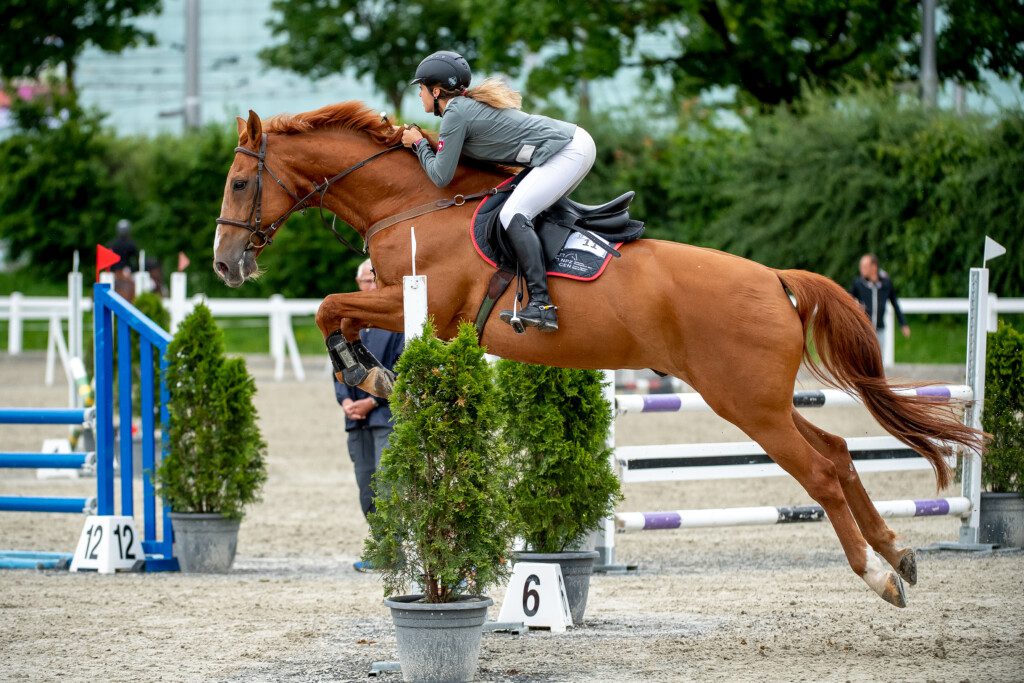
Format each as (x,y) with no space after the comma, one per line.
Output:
(610,222)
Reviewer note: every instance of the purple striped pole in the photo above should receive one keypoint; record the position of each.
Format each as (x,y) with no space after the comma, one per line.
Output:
(765,515)
(689,402)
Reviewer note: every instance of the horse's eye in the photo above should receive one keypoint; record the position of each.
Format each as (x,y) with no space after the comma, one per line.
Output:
(238,185)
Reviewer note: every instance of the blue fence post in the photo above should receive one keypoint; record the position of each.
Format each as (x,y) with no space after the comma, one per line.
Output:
(124,401)
(104,369)
(148,455)
(167,546)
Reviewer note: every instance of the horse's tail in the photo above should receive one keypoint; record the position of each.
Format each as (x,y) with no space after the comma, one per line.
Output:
(849,358)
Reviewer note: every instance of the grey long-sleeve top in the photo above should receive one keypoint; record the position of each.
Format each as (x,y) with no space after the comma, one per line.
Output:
(507,136)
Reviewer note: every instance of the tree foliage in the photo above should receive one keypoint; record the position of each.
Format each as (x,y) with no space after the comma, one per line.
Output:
(443,515)
(215,462)
(864,172)
(556,420)
(978,36)
(769,51)
(42,34)
(383,41)
(57,192)
(1002,467)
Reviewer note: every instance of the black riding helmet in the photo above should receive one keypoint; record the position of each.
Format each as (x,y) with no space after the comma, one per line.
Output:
(445,69)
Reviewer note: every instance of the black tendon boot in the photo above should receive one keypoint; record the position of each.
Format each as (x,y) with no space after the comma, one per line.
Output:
(539,312)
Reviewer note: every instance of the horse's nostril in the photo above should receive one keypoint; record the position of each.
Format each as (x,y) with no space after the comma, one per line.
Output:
(222,268)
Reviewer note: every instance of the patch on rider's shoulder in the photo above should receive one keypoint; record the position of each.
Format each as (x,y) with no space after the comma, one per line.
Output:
(440,145)
(526,153)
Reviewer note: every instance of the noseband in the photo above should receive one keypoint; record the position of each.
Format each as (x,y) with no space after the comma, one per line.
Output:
(259,237)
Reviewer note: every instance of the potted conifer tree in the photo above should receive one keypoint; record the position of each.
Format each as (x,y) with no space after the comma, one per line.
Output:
(443,520)
(215,463)
(556,420)
(1002,466)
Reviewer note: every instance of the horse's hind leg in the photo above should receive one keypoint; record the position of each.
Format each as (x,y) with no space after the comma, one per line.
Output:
(784,443)
(871,524)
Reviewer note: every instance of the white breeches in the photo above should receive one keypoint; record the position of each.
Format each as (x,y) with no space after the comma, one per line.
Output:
(552,180)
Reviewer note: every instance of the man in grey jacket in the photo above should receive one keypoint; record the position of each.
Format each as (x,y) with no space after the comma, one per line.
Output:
(486,123)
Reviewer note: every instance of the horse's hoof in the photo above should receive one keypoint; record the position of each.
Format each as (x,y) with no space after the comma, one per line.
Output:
(893,593)
(886,583)
(379,382)
(908,567)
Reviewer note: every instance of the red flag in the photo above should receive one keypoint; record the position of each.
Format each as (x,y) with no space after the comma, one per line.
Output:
(104,259)
(182,261)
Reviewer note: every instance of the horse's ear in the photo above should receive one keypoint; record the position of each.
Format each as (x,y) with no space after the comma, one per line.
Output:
(241,130)
(254,127)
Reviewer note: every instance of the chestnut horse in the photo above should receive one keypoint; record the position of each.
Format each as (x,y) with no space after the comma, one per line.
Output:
(723,324)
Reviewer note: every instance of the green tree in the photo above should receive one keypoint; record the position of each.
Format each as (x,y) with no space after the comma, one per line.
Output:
(556,420)
(580,40)
(978,36)
(769,51)
(1002,467)
(41,34)
(443,514)
(215,461)
(57,192)
(383,41)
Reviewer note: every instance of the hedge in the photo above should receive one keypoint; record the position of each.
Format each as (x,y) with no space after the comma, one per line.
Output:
(809,189)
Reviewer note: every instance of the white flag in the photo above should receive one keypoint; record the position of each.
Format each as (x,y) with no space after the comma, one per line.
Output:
(992,249)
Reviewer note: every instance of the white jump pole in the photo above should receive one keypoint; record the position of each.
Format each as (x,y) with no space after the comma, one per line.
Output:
(177,303)
(605,535)
(977,344)
(14,325)
(414,296)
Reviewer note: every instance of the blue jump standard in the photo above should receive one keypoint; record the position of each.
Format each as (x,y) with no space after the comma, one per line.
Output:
(44,416)
(44,460)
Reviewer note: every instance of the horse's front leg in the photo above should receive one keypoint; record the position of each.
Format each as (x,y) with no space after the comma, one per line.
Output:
(341,316)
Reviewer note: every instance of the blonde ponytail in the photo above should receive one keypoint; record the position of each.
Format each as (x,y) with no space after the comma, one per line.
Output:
(495,93)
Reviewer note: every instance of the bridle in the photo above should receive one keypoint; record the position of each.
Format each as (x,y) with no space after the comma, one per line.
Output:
(258,237)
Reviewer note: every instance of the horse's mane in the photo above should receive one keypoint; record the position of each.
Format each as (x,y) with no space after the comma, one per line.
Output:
(350,115)
(356,116)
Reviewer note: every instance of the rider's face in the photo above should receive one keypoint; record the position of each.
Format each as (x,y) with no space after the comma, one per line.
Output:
(427,98)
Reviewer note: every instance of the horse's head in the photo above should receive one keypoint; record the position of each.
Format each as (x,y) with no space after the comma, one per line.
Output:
(253,207)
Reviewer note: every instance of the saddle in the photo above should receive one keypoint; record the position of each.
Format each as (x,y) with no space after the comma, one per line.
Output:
(578,239)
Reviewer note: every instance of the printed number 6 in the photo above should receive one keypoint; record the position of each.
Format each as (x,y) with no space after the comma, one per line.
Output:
(530,593)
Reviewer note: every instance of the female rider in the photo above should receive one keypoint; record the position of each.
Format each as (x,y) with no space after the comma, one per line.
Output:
(485,122)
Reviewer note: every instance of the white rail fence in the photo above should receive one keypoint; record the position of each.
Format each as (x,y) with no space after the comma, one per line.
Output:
(279,312)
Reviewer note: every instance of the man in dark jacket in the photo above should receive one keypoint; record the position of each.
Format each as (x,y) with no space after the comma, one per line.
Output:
(368,418)
(873,289)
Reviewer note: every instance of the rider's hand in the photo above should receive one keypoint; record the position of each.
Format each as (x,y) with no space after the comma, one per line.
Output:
(411,135)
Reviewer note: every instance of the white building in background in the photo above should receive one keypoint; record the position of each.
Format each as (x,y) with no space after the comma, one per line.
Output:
(143,89)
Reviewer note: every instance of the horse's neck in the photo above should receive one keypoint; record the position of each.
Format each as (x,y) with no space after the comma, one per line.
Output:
(384,187)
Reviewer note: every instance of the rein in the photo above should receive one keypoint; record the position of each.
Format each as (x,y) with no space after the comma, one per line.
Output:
(422,210)
(259,237)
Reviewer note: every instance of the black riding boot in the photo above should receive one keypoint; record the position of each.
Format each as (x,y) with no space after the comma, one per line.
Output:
(539,312)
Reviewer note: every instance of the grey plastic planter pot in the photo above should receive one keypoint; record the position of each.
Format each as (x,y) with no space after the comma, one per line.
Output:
(204,543)
(576,570)
(1002,519)
(438,642)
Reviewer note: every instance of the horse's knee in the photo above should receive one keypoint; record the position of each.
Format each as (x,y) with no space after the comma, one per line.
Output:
(823,485)
(327,322)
